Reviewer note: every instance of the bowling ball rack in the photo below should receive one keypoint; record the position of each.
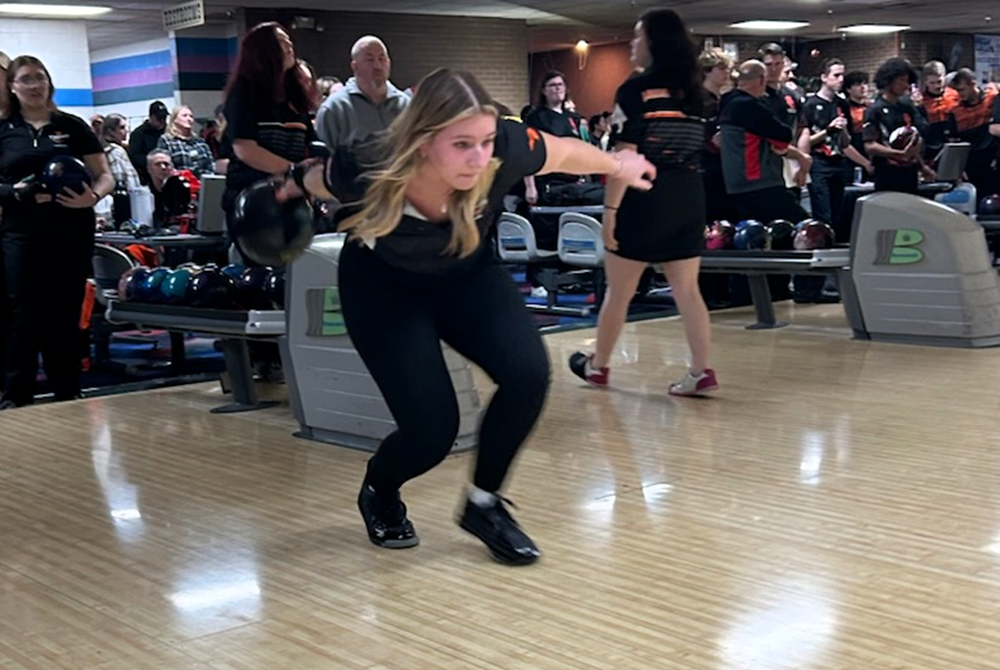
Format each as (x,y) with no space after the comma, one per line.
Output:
(234,328)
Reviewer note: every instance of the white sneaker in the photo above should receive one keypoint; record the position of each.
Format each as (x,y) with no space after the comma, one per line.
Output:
(539,292)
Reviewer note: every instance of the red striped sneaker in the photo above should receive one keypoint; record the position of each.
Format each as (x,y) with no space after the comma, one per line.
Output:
(581,365)
(694,385)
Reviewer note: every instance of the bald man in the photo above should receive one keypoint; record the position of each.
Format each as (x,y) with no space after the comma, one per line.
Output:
(367,104)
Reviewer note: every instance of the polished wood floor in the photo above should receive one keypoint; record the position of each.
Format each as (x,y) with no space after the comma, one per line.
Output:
(837,506)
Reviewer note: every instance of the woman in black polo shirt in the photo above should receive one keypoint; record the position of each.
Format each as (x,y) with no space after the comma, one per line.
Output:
(419,269)
(267,103)
(47,239)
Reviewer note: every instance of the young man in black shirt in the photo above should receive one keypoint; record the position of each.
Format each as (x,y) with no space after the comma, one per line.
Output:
(896,169)
(826,135)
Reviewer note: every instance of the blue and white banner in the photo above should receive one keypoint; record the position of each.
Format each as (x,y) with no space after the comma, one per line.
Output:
(988,58)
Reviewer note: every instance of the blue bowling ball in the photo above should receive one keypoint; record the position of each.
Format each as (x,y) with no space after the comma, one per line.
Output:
(274,288)
(129,282)
(149,287)
(744,223)
(751,237)
(174,287)
(64,172)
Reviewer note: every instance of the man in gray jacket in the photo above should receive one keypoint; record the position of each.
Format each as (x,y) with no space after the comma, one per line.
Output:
(350,118)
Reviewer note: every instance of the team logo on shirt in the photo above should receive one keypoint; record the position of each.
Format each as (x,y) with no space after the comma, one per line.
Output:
(59,138)
(533,137)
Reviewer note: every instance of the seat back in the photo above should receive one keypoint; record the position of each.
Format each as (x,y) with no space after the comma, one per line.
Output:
(109,264)
(581,241)
(516,239)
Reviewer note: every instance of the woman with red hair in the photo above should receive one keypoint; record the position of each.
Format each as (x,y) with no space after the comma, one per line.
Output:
(266,107)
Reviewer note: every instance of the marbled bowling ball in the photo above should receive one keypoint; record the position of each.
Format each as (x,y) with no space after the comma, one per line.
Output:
(128,283)
(719,235)
(813,235)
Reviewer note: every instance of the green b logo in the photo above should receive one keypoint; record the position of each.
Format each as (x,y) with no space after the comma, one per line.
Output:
(898,246)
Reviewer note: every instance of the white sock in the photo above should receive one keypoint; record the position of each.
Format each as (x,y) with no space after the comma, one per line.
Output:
(480,497)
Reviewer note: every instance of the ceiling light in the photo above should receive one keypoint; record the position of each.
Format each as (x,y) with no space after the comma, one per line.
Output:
(872,29)
(763,24)
(61,11)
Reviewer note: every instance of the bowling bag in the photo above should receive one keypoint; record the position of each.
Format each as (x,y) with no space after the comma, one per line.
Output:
(568,195)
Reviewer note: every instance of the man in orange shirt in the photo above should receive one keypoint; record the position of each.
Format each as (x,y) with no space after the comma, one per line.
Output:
(936,101)
(970,122)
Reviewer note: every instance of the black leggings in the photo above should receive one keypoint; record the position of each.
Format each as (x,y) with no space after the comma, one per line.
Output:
(397,321)
(45,284)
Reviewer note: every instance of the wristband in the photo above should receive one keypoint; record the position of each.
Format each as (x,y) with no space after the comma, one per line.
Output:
(297,173)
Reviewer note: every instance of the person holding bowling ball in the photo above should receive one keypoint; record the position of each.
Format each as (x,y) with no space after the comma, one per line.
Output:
(47,237)
(419,269)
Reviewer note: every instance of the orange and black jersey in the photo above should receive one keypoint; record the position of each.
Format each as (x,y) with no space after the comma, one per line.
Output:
(883,117)
(937,110)
(817,115)
(419,246)
(786,104)
(668,130)
(970,121)
(858,110)
(749,130)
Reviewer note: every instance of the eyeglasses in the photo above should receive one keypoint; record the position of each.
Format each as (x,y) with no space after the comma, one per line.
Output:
(30,80)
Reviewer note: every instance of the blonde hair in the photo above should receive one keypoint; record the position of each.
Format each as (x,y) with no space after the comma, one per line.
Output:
(174,113)
(443,97)
(711,58)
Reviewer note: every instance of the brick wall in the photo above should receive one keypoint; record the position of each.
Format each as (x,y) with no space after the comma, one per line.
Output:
(494,49)
(868,53)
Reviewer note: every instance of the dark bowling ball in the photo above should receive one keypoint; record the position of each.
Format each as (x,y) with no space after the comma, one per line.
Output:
(176,194)
(813,235)
(209,288)
(234,270)
(744,223)
(274,289)
(251,288)
(149,286)
(128,283)
(990,205)
(268,231)
(719,235)
(751,237)
(782,234)
(65,172)
(174,288)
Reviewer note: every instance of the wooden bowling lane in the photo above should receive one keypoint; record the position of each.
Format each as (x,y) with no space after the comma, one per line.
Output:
(835,507)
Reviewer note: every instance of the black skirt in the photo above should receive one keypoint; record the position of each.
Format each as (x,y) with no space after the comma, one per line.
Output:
(666,223)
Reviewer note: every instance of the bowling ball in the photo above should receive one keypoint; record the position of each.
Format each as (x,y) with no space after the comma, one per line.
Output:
(251,288)
(989,205)
(719,235)
(149,287)
(210,288)
(176,194)
(234,270)
(174,288)
(65,172)
(781,232)
(744,223)
(268,231)
(128,283)
(274,289)
(813,235)
(752,236)
(900,137)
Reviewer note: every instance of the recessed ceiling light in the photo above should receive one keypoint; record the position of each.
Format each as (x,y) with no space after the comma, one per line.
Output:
(51,11)
(762,24)
(872,29)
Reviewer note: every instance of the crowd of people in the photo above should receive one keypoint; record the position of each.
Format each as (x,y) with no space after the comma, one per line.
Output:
(424,172)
